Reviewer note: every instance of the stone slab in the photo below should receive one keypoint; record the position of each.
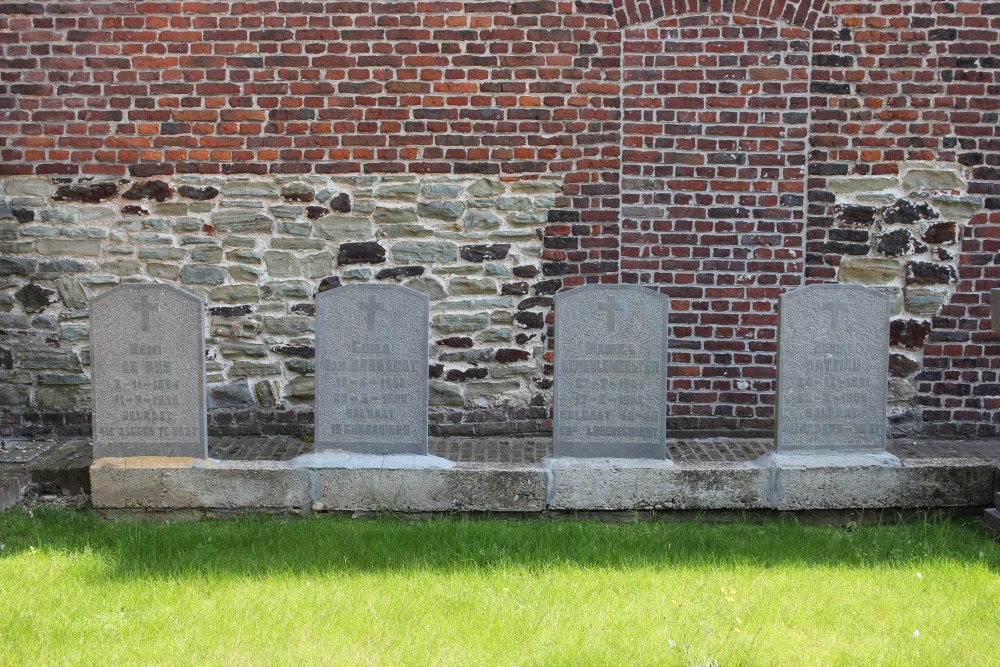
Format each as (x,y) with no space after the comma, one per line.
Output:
(148,372)
(562,484)
(371,369)
(833,361)
(159,483)
(464,488)
(611,372)
(23,451)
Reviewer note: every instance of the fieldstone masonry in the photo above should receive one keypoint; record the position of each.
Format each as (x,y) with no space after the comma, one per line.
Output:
(899,234)
(258,250)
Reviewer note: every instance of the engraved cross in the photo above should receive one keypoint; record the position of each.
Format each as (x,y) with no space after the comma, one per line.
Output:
(144,307)
(371,307)
(835,307)
(611,307)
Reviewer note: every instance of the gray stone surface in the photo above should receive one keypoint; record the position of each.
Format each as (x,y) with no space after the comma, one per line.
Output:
(304,486)
(611,372)
(371,369)
(833,360)
(995,309)
(148,372)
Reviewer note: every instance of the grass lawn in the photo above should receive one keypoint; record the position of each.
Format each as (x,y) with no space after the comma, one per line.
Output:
(76,590)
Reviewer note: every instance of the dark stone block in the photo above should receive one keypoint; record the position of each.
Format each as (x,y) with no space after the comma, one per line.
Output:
(158,190)
(6,359)
(400,272)
(23,215)
(526,271)
(928,273)
(908,333)
(341,203)
(941,232)
(906,212)
(304,351)
(304,308)
(529,319)
(902,366)
(87,193)
(315,212)
(133,209)
(523,338)
(547,287)
(476,373)
(435,370)
(514,289)
(508,355)
(535,302)
(480,253)
(364,252)
(34,298)
(456,341)
(330,282)
(230,311)
(899,242)
(198,194)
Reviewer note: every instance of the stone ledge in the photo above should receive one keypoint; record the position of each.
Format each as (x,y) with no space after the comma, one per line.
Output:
(220,487)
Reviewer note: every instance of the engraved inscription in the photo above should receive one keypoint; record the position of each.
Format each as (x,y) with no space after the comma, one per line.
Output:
(611,381)
(371,371)
(832,373)
(144,307)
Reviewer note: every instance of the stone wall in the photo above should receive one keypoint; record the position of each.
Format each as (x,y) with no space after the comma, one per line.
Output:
(899,233)
(258,249)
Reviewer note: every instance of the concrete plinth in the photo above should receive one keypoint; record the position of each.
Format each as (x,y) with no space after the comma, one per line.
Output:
(406,483)
(341,484)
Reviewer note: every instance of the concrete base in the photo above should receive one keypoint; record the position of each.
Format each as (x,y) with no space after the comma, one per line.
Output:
(348,483)
(342,484)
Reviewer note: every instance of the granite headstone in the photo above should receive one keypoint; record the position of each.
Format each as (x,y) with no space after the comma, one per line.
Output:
(611,372)
(147,351)
(371,369)
(833,365)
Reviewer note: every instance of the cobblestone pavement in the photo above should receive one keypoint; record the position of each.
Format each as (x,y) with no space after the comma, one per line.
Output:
(61,467)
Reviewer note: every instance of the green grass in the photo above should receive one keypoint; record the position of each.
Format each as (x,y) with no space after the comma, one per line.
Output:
(76,590)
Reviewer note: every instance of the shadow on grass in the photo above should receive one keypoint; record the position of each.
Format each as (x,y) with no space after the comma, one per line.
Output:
(262,546)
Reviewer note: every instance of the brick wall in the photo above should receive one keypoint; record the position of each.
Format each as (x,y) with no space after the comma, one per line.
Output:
(673,128)
(713,205)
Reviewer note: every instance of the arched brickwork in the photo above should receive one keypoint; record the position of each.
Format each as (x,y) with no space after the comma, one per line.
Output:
(801,13)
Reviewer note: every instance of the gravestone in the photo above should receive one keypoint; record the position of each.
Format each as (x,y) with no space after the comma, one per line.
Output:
(611,373)
(147,359)
(833,361)
(371,369)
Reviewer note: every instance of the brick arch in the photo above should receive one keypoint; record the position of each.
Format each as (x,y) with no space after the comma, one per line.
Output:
(801,13)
